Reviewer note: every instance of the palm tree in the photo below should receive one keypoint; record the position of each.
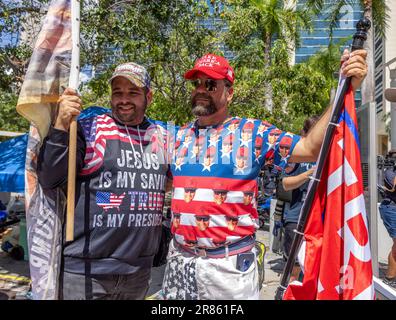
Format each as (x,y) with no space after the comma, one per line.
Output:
(378,13)
(278,19)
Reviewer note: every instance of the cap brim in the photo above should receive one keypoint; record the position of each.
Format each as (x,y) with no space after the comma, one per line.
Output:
(133,80)
(192,74)
(390,94)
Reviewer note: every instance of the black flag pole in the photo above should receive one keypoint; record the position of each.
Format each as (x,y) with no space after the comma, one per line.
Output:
(359,38)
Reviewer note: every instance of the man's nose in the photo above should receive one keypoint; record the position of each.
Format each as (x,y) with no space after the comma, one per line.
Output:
(201,87)
(125,99)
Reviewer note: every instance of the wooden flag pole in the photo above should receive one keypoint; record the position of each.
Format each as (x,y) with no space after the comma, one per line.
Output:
(73,83)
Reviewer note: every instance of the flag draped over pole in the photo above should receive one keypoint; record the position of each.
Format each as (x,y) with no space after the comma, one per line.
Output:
(48,72)
(335,254)
(49,68)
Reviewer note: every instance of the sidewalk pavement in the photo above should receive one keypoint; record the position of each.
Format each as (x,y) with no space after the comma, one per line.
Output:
(13,273)
(273,264)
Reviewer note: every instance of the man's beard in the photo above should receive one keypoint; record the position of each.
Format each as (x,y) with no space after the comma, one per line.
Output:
(199,109)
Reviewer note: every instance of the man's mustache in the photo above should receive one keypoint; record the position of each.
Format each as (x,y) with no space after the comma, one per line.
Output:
(201,96)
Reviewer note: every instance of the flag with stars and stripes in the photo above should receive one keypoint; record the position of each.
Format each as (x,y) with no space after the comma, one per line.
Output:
(108,200)
(335,254)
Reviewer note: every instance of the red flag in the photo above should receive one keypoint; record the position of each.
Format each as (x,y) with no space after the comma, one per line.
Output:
(335,254)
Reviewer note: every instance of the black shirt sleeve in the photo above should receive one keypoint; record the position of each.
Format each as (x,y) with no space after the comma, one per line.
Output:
(52,166)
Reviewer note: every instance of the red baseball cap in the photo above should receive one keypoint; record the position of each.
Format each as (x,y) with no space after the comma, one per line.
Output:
(213,66)
(242,152)
(258,142)
(248,126)
(286,141)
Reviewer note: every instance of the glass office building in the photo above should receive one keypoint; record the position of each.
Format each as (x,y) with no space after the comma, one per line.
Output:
(312,42)
(319,38)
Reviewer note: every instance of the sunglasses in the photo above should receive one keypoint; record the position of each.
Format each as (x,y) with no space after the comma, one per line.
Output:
(210,84)
(223,193)
(205,219)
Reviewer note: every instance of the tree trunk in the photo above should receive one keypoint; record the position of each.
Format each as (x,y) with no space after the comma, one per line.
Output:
(267,63)
(368,85)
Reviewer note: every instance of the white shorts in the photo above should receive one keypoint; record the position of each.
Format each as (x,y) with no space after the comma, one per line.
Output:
(191,277)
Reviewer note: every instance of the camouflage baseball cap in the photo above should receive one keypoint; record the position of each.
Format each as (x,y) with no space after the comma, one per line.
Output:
(135,73)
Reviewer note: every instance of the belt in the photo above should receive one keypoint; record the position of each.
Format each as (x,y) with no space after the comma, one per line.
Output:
(240,246)
(387,202)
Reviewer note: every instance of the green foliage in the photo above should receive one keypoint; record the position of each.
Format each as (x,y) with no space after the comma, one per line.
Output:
(10,120)
(16,17)
(380,11)
(167,36)
(164,36)
(299,91)
(13,61)
(255,23)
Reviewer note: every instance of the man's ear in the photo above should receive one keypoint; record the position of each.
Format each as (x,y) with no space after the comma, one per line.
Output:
(230,94)
(149,96)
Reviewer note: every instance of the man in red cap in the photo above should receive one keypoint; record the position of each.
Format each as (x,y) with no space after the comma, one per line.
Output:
(233,125)
(248,197)
(209,157)
(176,220)
(198,145)
(258,144)
(263,127)
(247,132)
(189,190)
(242,158)
(227,145)
(284,146)
(181,156)
(213,78)
(202,219)
(219,192)
(232,220)
(273,135)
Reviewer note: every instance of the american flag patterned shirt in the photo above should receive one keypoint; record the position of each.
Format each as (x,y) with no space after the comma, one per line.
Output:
(215,171)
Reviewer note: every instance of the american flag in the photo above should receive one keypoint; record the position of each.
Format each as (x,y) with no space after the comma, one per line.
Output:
(98,130)
(108,200)
(335,255)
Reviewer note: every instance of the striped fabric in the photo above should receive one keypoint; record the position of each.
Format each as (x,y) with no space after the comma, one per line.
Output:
(335,253)
(98,130)
(48,69)
(215,174)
